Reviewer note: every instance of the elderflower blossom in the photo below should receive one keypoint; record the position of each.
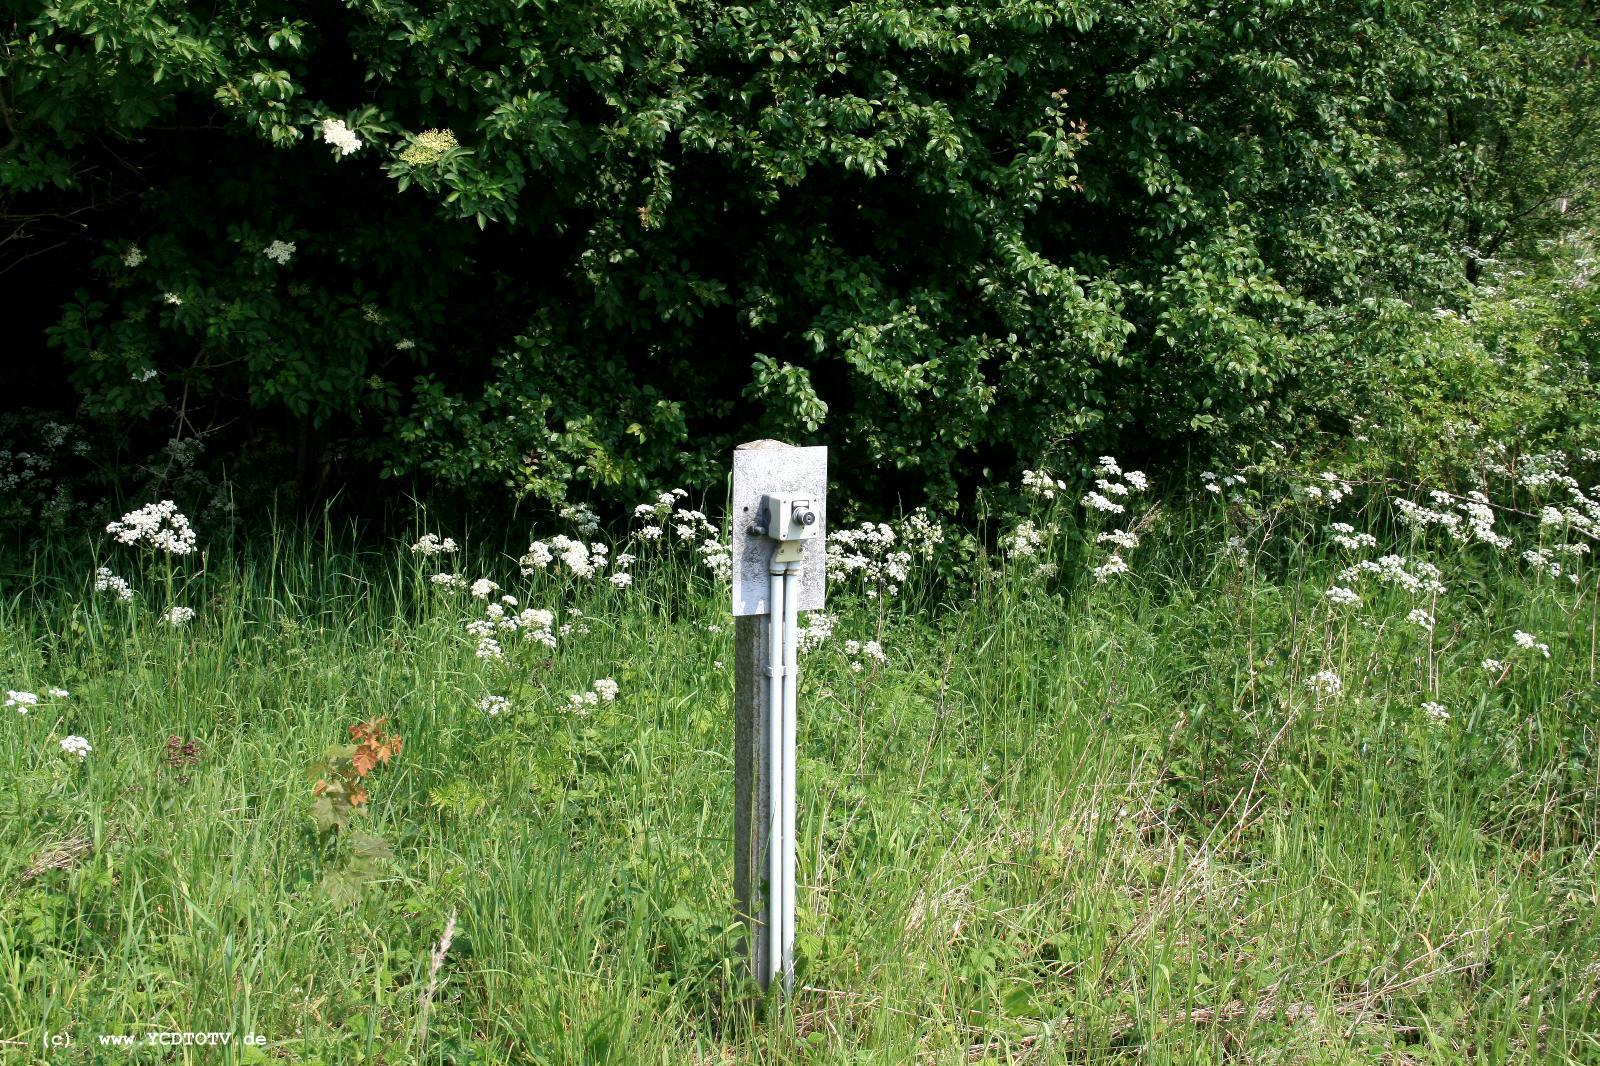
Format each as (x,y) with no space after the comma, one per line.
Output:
(430,544)
(1343,597)
(76,745)
(342,137)
(177,615)
(582,517)
(494,706)
(280,252)
(133,256)
(158,525)
(1325,683)
(106,581)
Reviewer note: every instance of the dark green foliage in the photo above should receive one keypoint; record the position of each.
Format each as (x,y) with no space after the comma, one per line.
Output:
(598,241)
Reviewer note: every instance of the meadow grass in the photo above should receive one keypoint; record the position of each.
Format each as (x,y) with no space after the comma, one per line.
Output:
(1065,821)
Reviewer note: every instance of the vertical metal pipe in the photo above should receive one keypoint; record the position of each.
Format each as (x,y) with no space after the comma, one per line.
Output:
(779,845)
(791,680)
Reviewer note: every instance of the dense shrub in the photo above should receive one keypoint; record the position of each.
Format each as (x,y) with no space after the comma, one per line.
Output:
(536,244)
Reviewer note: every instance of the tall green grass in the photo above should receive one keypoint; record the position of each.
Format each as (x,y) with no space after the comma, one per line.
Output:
(1066,821)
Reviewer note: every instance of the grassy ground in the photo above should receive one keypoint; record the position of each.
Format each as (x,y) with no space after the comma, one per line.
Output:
(1064,821)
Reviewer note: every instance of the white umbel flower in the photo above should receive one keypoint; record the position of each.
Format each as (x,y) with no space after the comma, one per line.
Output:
(76,746)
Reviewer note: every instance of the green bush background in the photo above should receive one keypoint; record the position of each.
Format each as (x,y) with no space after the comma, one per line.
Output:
(946,239)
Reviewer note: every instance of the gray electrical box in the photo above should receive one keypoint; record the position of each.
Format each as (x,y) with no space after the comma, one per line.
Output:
(779,493)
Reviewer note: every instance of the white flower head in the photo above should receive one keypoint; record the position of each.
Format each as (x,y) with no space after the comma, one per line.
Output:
(1436,712)
(106,581)
(1528,642)
(133,256)
(1325,683)
(342,137)
(494,706)
(155,525)
(431,544)
(21,700)
(76,745)
(280,252)
(177,616)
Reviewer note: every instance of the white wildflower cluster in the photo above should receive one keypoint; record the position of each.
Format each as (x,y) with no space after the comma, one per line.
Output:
(483,588)
(1330,489)
(133,256)
(1325,683)
(342,137)
(106,581)
(880,556)
(1417,577)
(494,706)
(431,544)
(17,468)
(1493,666)
(860,653)
(1474,523)
(817,629)
(1040,483)
(871,553)
(582,517)
(155,525)
(21,700)
(177,615)
(534,624)
(280,252)
(1545,561)
(604,689)
(1436,712)
(1345,535)
(1219,485)
(1103,499)
(76,745)
(580,559)
(688,526)
(448,582)
(1343,597)
(1025,541)
(1528,642)
(1421,619)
